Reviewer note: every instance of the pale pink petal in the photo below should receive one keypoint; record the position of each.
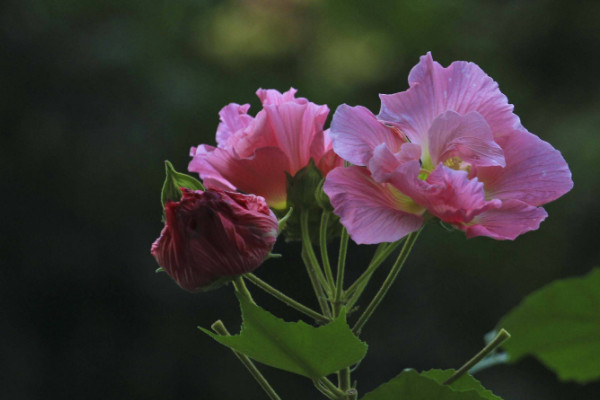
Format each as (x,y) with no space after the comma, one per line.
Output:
(234,117)
(462,87)
(446,193)
(384,162)
(274,97)
(535,172)
(292,127)
(356,133)
(465,136)
(322,152)
(211,178)
(262,174)
(512,219)
(455,198)
(372,212)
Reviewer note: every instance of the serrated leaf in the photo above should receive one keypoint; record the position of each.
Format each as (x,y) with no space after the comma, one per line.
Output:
(294,346)
(464,384)
(414,386)
(560,325)
(175,180)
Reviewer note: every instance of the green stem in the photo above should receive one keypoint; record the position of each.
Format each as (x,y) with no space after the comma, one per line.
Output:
(323,246)
(286,299)
(341,266)
(344,379)
(502,336)
(332,388)
(357,288)
(220,328)
(389,280)
(323,389)
(318,289)
(242,289)
(310,252)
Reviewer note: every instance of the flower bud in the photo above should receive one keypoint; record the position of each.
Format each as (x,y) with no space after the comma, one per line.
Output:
(213,235)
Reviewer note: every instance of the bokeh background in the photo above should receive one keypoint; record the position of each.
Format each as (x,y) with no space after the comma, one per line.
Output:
(96,94)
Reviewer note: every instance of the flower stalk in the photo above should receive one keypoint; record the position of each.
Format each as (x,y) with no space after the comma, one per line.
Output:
(393,274)
(500,338)
(286,299)
(220,328)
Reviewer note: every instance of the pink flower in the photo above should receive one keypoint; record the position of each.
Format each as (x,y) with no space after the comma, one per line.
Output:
(449,146)
(253,154)
(214,234)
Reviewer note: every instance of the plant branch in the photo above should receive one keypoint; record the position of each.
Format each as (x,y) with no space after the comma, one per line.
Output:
(323,246)
(286,299)
(220,328)
(500,338)
(389,280)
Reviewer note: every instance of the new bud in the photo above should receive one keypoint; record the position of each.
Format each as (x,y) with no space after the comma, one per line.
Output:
(213,235)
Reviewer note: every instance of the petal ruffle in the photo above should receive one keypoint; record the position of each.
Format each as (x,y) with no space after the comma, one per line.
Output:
(446,193)
(356,133)
(535,172)
(372,212)
(461,87)
(468,137)
(234,117)
(384,162)
(512,219)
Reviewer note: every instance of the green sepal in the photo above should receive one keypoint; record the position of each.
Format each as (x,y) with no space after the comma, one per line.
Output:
(302,186)
(160,269)
(295,347)
(322,198)
(174,181)
(560,325)
(304,194)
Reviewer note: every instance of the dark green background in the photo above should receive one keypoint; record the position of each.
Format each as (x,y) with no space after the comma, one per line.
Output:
(96,94)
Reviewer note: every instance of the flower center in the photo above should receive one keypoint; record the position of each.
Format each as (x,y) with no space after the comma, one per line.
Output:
(458,164)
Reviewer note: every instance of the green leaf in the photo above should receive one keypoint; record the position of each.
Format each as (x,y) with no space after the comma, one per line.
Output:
(560,325)
(465,383)
(175,180)
(294,346)
(414,386)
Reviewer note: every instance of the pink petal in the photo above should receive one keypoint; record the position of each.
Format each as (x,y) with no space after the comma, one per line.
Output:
(462,87)
(512,219)
(446,193)
(274,97)
(371,212)
(234,117)
(292,127)
(211,178)
(535,172)
(322,152)
(356,133)
(457,198)
(262,174)
(384,162)
(468,137)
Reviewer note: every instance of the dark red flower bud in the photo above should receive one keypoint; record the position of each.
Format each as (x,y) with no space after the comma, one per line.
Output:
(214,234)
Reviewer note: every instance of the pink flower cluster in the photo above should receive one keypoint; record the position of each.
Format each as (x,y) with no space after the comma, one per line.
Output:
(450,146)
(253,154)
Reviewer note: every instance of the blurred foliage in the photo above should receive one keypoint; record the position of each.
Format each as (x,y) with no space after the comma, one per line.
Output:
(96,94)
